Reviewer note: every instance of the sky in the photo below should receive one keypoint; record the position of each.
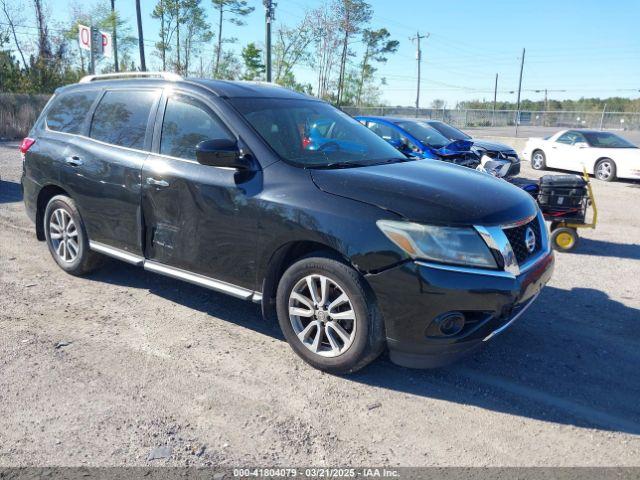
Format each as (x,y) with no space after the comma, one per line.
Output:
(574,48)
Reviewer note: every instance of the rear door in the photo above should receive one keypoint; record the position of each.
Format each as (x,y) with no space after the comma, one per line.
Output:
(103,168)
(198,218)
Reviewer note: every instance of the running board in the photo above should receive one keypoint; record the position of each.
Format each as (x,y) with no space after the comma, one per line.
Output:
(116,253)
(177,273)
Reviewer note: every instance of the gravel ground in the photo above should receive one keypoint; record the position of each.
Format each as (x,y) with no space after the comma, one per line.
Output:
(102,370)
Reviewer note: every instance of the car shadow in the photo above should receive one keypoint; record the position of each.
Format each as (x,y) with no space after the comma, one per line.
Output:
(230,309)
(572,359)
(10,192)
(587,246)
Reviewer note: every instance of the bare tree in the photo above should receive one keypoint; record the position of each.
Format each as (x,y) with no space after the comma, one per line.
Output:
(44,43)
(292,47)
(12,16)
(326,39)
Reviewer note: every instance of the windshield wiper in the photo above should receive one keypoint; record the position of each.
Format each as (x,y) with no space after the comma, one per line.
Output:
(345,164)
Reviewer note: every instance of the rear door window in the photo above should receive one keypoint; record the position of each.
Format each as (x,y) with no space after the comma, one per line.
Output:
(186,123)
(121,117)
(69,111)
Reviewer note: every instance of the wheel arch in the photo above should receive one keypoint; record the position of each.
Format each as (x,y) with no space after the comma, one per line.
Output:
(45,194)
(598,160)
(283,258)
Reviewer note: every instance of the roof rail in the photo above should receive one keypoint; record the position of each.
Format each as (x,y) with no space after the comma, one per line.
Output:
(173,77)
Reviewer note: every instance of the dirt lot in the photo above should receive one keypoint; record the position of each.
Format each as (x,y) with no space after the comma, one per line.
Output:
(101,370)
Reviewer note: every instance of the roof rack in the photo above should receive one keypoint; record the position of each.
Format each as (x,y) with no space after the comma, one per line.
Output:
(173,77)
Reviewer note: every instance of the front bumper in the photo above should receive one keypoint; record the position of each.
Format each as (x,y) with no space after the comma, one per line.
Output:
(414,295)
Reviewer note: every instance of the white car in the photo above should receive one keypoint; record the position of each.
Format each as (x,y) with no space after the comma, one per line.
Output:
(604,154)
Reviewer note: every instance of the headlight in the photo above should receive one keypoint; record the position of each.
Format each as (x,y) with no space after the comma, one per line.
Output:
(459,246)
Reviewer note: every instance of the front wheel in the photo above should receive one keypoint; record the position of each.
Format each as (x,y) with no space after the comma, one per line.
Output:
(606,170)
(538,160)
(328,316)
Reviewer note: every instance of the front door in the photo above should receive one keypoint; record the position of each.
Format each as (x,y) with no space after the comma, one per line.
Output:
(568,152)
(198,218)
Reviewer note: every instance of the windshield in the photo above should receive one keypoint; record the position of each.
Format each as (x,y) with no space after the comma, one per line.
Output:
(314,134)
(425,133)
(450,132)
(607,140)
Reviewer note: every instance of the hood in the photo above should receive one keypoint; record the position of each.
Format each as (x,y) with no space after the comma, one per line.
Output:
(454,148)
(493,146)
(429,191)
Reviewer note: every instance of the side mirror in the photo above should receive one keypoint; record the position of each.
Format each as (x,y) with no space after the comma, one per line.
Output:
(221,152)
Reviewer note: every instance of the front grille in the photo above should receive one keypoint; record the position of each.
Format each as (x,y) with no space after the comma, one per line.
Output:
(517,239)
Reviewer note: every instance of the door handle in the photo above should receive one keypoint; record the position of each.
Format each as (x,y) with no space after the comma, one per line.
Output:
(74,161)
(157,183)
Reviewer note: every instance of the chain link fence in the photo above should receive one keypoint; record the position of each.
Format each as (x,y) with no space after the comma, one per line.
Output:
(18,112)
(470,118)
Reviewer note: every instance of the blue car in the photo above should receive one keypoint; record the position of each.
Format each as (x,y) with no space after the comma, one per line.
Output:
(324,135)
(417,138)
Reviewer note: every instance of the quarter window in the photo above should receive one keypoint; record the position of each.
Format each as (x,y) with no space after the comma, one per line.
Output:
(188,122)
(121,118)
(69,111)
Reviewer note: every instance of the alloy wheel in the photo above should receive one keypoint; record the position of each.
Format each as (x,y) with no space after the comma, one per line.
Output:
(537,160)
(322,315)
(63,234)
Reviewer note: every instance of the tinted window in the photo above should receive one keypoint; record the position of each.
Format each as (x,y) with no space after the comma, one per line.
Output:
(315,134)
(69,111)
(121,118)
(425,133)
(188,122)
(607,140)
(571,138)
(450,132)
(384,131)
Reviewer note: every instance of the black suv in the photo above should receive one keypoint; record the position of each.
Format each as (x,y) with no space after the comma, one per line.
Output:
(352,246)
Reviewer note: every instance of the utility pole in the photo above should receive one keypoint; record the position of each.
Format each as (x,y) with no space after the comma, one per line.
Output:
(519,91)
(143,65)
(604,109)
(269,16)
(495,98)
(115,38)
(417,39)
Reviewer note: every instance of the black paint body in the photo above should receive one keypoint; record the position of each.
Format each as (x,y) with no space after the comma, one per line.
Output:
(243,226)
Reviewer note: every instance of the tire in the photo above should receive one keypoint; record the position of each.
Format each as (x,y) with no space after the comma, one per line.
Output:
(605,170)
(67,238)
(313,336)
(564,239)
(538,160)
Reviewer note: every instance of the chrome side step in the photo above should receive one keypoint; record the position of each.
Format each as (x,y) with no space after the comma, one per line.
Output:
(116,253)
(177,273)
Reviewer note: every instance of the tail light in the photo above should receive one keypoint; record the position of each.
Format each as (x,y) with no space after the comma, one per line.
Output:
(306,141)
(26,144)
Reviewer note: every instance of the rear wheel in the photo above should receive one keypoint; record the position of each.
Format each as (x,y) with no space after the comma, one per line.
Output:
(328,316)
(605,170)
(564,239)
(67,237)
(538,160)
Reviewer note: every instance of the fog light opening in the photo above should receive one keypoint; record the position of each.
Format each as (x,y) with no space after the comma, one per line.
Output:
(450,323)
